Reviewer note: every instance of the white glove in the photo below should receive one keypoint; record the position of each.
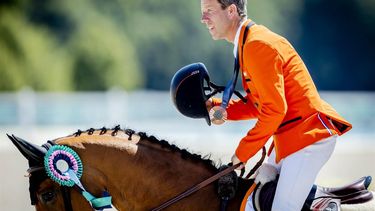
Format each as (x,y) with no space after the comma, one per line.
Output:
(265,173)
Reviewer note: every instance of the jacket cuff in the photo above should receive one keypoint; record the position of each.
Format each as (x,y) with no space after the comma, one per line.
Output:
(241,155)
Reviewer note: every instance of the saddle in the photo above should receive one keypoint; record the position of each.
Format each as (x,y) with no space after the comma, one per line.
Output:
(354,193)
(319,198)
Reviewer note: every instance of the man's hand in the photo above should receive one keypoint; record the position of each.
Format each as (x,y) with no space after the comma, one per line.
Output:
(218,114)
(235,161)
(209,104)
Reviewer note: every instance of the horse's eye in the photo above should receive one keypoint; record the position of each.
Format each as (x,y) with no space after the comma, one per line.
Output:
(48,196)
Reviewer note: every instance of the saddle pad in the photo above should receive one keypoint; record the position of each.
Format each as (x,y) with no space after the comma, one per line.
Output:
(248,193)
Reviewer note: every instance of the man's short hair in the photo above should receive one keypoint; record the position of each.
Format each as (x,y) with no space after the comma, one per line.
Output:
(240,4)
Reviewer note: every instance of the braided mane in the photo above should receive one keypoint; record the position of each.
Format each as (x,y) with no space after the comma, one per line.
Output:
(185,154)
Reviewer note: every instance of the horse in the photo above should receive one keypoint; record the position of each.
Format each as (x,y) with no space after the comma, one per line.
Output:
(138,172)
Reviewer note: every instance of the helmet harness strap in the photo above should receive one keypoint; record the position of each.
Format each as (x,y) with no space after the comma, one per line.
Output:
(229,88)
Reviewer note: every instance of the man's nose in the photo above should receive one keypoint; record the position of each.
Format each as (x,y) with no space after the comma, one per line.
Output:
(204,18)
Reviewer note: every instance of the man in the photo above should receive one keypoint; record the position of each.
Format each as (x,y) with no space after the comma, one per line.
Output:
(282,96)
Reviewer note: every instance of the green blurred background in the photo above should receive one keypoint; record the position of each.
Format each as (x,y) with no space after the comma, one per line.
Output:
(68,64)
(66,45)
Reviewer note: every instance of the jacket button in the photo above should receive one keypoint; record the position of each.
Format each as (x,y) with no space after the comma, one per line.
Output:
(256,105)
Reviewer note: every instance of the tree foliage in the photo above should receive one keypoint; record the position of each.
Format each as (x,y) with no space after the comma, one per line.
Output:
(52,45)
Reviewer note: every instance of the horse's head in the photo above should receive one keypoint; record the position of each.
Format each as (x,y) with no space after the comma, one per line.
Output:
(44,193)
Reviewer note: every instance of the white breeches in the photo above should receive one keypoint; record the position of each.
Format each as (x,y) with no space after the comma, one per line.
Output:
(298,172)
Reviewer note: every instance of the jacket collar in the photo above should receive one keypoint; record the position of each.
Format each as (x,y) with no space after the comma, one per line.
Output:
(235,42)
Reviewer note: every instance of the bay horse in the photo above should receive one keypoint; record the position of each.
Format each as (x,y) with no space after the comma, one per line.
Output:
(139,171)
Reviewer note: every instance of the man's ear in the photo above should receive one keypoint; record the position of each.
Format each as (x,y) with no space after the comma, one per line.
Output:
(232,10)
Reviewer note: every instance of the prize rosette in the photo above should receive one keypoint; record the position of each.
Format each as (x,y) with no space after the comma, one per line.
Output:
(60,162)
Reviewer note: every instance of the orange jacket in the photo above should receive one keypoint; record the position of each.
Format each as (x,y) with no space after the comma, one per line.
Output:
(281,95)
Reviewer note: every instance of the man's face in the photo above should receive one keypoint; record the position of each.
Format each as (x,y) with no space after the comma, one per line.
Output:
(216,19)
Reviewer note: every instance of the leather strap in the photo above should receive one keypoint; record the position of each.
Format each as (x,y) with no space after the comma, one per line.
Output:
(229,88)
(208,181)
(65,191)
(196,187)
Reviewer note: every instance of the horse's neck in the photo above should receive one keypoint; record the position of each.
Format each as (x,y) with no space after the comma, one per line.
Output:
(143,180)
(165,174)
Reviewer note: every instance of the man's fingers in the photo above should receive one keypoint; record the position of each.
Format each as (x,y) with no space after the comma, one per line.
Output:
(241,166)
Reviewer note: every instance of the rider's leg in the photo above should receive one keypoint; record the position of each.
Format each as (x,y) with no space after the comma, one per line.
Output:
(297,174)
(271,161)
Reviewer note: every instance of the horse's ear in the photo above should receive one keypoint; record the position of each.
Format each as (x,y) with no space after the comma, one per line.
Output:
(30,151)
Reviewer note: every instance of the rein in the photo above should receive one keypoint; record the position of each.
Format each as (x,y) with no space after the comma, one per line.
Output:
(208,181)
(196,187)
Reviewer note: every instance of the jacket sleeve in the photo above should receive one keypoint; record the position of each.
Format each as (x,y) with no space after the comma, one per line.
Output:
(264,65)
(238,110)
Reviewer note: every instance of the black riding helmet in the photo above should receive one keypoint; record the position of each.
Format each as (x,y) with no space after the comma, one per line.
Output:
(188,91)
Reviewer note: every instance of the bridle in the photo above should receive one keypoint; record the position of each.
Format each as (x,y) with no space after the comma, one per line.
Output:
(65,191)
(96,203)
